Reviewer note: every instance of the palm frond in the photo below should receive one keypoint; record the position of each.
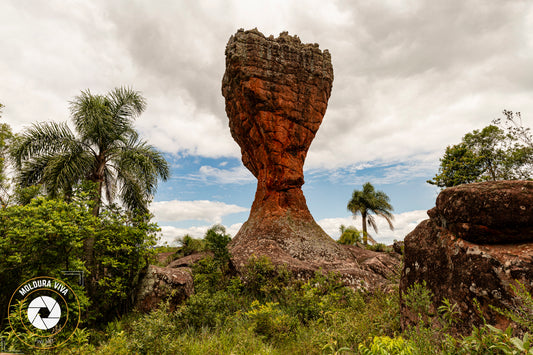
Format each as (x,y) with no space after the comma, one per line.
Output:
(126,104)
(42,139)
(131,193)
(64,170)
(140,165)
(372,223)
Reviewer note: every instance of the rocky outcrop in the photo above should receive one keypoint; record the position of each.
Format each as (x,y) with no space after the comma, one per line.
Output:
(190,260)
(476,244)
(276,92)
(164,283)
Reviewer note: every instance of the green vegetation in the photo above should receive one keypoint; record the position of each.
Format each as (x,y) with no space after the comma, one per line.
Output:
(503,151)
(349,235)
(46,237)
(370,201)
(267,312)
(6,135)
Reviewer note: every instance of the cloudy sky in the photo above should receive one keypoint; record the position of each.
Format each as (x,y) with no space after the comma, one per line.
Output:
(411,77)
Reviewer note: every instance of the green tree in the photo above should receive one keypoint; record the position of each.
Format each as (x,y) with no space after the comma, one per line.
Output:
(42,238)
(217,240)
(493,153)
(370,201)
(349,235)
(105,150)
(123,248)
(6,136)
(459,165)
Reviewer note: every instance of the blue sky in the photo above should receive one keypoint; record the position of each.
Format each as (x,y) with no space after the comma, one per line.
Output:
(411,77)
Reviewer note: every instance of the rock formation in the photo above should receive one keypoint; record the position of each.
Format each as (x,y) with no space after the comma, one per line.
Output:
(477,242)
(164,283)
(276,92)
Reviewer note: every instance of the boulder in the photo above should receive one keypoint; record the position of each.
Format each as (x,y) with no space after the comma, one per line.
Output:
(462,265)
(189,260)
(162,284)
(487,212)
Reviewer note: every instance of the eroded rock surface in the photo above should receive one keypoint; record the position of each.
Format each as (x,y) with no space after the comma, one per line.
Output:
(476,243)
(276,92)
(164,283)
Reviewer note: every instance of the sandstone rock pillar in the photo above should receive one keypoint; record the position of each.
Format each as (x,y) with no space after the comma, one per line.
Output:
(276,92)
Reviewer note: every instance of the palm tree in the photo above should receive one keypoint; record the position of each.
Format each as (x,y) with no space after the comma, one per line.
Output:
(370,201)
(105,150)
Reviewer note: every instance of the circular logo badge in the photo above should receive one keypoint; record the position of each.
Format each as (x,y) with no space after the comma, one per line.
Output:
(44,312)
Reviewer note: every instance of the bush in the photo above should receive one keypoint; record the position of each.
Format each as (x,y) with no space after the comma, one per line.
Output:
(270,321)
(42,238)
(349,236)
(380,247)
(216,240)
(384,346)
(264,281)
(189,245)
(123,248)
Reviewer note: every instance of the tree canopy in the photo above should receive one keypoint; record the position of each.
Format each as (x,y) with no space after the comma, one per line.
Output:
(492,153)
(368,201)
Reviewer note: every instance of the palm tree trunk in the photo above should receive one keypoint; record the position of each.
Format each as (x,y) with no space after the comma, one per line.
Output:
(365,235)
(90,241)
(97,198)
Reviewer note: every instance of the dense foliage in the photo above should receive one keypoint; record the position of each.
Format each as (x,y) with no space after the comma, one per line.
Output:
(6,135)
(502,151)
(266,311)
(45,237)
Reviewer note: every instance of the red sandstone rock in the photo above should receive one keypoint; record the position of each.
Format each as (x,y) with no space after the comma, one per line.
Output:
(461,270)
(276,92)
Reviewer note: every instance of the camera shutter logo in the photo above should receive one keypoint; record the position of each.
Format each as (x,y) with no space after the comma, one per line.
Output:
(46,310)
(36,317)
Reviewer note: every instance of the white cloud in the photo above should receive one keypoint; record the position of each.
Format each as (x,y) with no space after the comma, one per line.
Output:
(236,175)
(203,210)
(404,223)
(409,78)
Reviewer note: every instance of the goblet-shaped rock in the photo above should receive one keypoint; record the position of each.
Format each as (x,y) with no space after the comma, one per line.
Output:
(276,92)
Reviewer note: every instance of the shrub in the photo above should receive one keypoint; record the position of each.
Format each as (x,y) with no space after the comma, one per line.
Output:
(380,247)
(189,245)
(521,312)
(349,236)
(270,321)
(383,345)
(264,281)
(123,248)
(216,240)
(205,309)
(418,299)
